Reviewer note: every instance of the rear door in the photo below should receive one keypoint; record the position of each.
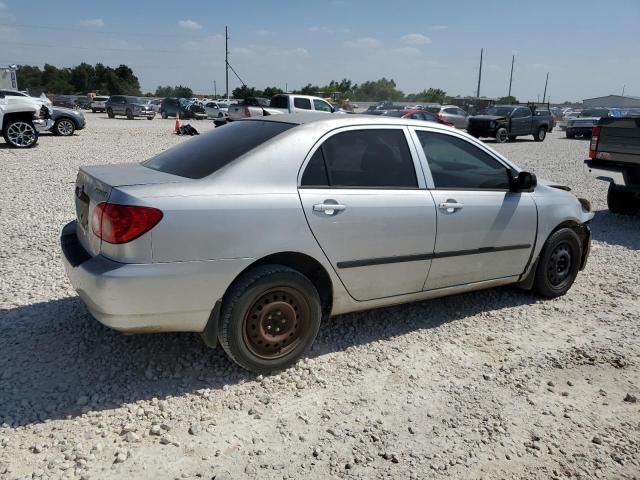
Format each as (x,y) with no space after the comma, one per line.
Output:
(485,231)
(362,190)
(301,104)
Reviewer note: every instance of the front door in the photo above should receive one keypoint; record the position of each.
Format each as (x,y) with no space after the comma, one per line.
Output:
(362,197)
(485,231)
(521,121)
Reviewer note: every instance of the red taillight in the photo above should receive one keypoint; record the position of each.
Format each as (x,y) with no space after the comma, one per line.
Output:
(595,137)
(439,115)
(247,112)
(115,223)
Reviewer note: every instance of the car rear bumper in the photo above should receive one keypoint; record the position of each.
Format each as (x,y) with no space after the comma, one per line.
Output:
(148,113)
(145,298)
(609,173)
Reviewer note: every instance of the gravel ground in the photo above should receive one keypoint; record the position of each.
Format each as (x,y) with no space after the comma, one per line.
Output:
(493,384)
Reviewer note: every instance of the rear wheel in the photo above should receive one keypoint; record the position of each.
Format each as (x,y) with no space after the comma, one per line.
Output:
(540,134)
(502,135)
(110,113)
(164,115)
(269,318)
(570,134)
(129,114)
(94,110)
(558,264)
(622,201)
(149,118)
(20,134)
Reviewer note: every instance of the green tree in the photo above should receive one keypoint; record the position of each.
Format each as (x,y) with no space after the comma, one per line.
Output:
(269,92)
(182,92)
(166,91)
(82,78)
(244,92)
(382,89)
(508,100)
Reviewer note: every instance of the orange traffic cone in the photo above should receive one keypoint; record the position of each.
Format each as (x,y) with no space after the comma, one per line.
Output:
(177,122)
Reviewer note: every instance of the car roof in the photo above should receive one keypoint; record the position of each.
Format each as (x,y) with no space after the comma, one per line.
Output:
(342,120)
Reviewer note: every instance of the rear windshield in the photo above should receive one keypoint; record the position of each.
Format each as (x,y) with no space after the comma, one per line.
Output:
(207,153)
(394,113)
(596,112)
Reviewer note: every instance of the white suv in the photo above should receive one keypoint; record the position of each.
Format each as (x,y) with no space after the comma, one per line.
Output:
(22,116)
(98,104)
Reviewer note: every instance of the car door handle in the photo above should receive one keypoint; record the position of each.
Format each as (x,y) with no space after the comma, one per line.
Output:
(450,206)
(329,208)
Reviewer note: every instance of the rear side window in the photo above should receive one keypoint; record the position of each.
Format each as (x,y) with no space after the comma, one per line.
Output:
(279,101)
(207,153)
(377,158)
(302,103)
(457,164)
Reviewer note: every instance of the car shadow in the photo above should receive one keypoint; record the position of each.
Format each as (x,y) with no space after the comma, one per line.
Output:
(517,140)
(614,229)
(58,362)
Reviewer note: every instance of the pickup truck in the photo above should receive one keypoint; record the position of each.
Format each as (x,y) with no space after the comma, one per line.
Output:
(282,103)
(585,121)
(506,122)
(614,156)
(22,117)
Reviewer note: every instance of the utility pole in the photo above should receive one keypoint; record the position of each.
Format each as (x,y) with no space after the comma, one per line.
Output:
(286,87)
(226,60)
(513,58)
(215,90)
(545,87)
(479,74)
(623,87)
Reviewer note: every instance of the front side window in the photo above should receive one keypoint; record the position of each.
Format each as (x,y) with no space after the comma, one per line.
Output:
(302,103)
(321,106)
(457,164)
(521,113)
(371,158)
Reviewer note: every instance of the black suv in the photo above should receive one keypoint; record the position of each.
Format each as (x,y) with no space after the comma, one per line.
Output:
(130,107)
(187,108)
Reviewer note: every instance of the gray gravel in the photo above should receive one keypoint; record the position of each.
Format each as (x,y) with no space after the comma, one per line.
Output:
(493,384)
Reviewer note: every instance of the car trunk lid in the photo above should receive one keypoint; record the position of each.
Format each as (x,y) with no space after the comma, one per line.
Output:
(619,140)
(94,185)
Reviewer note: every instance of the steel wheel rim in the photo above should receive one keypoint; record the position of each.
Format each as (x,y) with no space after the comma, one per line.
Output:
(275,323)
(21,134)
(542,134)
(65,127)
(559,265)
(503,136)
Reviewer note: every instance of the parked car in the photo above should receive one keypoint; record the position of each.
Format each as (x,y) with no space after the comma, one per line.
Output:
(98,104)
(279,104)
(83,103)
(130,107)
(163,245)
(582,125)
(415,115)
(22,117)
(614,156)
(506,122)
(66,121)
(451,114)
(215,110)
(185,107)
(65,101)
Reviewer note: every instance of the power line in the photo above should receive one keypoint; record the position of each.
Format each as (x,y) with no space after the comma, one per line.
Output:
(132,50)
(101,32)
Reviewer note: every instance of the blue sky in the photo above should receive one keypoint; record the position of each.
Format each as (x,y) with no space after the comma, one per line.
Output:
(589,48)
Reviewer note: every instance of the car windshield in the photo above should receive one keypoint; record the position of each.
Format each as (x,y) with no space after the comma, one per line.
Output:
(137,100)
(501,111)
(596,112)
(207,153)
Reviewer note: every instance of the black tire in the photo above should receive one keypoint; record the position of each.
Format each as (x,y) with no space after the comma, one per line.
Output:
(110,113)
(164,115)
(558,264)
(94,110)
(570,134)
(129,114)
(20,133)
(622,201)
(540,134)
(502,135)
(64,127)
(265,290)
(149,118)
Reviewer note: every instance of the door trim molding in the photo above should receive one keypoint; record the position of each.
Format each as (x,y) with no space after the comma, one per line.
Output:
(368,262)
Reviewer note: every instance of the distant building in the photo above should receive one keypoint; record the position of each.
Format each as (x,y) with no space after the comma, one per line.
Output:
(615,101)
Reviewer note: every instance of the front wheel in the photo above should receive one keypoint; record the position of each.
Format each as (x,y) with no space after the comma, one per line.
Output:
(164,115)
(20,134)
(558,264)
(149,118)
(502,135)
(269,318)
(622,201)
(110,113)
(64,127)
(540,134)
(129,114)
(570,134)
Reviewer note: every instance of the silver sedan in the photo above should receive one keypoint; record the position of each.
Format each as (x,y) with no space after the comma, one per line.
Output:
(253,232)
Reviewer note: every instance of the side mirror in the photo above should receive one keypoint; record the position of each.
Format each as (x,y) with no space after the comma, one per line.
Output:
(525,182)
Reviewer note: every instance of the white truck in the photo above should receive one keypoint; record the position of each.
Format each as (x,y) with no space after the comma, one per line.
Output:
(282,103)
(22,117)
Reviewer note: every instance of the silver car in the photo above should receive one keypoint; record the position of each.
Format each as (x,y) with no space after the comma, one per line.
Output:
(255,231)
(452,114)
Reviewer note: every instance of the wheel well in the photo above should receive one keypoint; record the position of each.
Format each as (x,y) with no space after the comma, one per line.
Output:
(24,116)
(66,118)
(306,265)
(583,234)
